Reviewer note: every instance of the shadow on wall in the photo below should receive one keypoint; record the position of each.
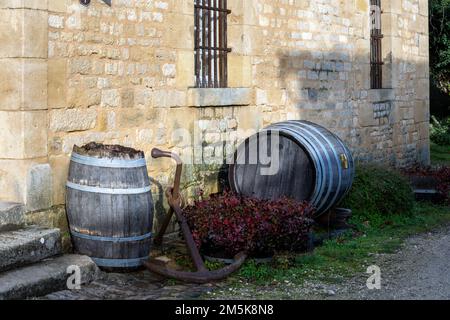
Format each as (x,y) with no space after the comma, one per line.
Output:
(332,89)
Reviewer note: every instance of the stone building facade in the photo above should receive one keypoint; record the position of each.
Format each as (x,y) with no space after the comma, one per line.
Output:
(124,74)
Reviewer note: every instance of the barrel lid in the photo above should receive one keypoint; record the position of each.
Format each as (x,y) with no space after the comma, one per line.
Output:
(105,151)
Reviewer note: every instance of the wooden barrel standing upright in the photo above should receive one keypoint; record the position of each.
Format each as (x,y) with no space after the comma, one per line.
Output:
(314,165)
(110,206)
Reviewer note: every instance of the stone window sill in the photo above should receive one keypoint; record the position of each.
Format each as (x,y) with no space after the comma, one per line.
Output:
(377,95)
(219,97)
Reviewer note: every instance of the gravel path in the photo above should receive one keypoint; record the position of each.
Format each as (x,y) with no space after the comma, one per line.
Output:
(420,270)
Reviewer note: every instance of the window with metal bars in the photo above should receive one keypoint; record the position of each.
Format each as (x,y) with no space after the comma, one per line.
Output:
(376,60)
(211,47)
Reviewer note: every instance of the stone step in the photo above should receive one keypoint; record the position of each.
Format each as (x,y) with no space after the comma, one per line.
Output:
(28,245)
(45,277)
(12,215)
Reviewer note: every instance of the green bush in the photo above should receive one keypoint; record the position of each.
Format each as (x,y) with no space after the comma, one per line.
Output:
(440,131)
(378,192)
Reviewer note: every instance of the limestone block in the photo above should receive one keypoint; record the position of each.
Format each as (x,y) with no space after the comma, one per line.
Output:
(130,118)
(127,97)
(237,11)
(60,167)
(407,113)
(423,68)
(60,6)
(199,97)
(392,6)
(141,54)
(169,98)
(182,119)
(184,7)
(13,179)
(366,116)
(421,25)
(261,97)
(250,121)
(80,65)
(424,130)
(185,70)
(35,134)
(78,97)
(23,84)
(10,33)
(39,187)
(27,4)
(179,24)
(24,134)
(376,95)
(23,33)
(389,25)
(424,45)
(250,12)
(423,7)
(245,40)
(277,97)
(56,21)
(362,5)
(239,71)
(423,89)
(11,124)
(57,84)
(73,119)
(111,98)
(421,111)
(362,77)
(143,97)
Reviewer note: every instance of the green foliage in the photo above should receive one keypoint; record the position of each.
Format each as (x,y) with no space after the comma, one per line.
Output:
(440,155)
(214,265)
(378,192)
(440,43)
(256,272)
(440,131)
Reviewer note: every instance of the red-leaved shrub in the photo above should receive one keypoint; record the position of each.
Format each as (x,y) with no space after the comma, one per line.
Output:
(228,223)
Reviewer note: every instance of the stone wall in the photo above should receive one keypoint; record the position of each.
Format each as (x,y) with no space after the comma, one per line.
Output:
(125,75)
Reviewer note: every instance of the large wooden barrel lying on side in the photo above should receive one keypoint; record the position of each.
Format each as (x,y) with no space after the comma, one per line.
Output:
(110,206)
(314,165)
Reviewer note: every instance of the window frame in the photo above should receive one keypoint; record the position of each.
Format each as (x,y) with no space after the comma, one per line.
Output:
(211,43)
(376,37)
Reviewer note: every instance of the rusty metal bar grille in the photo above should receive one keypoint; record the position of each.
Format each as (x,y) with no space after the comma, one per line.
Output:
(211,47)
(376,60)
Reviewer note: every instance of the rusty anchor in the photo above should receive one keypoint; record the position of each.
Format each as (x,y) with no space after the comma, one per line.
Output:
(202,275)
